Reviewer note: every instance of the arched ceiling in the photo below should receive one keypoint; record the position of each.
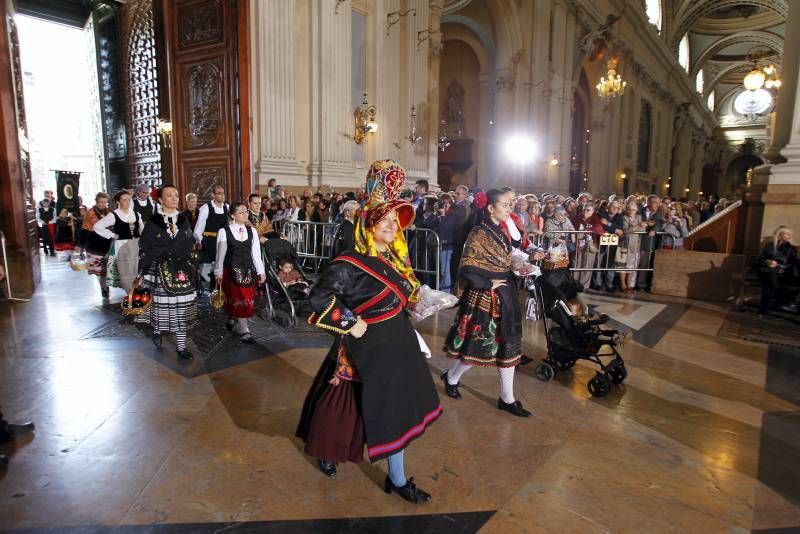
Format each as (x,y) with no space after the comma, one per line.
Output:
(723,32)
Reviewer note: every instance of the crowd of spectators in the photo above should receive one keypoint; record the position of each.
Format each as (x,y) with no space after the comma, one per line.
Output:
(641,223)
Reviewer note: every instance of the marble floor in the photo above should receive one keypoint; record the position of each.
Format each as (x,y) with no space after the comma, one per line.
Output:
(703,437)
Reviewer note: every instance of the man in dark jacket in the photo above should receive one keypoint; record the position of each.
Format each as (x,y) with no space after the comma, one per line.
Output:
(611,220)
(462,224)
(650,242)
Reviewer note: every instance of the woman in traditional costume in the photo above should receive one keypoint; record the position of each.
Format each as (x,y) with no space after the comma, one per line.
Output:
(95,245)
(166,267)
(374,386)
(238,268)
(124,226)
(487,330)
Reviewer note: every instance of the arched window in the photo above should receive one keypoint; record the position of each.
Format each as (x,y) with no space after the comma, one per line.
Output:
(699,81)
(711,100)
(683,52)
(756,102)
(653,11)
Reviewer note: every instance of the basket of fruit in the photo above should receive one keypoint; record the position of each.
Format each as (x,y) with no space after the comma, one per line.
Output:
(138,301)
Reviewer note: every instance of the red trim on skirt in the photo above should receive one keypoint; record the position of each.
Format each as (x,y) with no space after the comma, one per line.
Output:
(239,301)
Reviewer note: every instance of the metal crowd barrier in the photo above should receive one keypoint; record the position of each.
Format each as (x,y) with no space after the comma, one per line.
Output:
(607,249)
(312,241)
(9,295)
(424,250)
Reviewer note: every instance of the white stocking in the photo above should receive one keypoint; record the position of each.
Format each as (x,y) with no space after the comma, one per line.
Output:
(454,374)
(506,384)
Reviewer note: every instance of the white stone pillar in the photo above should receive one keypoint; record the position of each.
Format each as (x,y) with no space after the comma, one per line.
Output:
(782,126)
(274,91)
(388,83)
(331,113)
(415,157)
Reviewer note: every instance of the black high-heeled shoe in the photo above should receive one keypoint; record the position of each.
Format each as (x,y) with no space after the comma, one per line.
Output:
(409,492)
(156,339)
(450,389)
(185,355)
(229,324)
(327,467)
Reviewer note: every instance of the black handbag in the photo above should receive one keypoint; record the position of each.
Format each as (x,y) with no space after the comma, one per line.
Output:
(179,276)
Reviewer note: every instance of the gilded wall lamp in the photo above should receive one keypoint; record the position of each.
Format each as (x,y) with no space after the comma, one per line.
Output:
(364,118)
(165,129)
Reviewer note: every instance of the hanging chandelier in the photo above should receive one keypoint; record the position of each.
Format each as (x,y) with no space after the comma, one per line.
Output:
(413,136)
(762,77)
(612,85)
(444,140)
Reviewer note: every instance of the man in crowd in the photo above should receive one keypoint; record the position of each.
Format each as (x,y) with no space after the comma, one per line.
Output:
(142,203)
(211,217)
(461,224)
(650,241)
(45,214)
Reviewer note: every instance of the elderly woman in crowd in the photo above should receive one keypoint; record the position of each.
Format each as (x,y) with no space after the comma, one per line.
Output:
(557,228)
(676,227)
(191,210)
(343,238)
(588,244)
(627,256)
(535,226)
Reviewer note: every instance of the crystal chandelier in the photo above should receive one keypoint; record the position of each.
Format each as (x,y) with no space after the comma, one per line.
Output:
(612,86)
(413,136)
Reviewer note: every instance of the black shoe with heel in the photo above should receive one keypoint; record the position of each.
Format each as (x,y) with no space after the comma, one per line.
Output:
(514,408)
(450,389)
(327,467)
(156,337)
(185,355)
(409,492)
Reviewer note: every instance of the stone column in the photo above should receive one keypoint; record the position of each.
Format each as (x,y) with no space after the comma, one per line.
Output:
(274,103)
(433,49)
(331,113)
(782,121)
(415,157)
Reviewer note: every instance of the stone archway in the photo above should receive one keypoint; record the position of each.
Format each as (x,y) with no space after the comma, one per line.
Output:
(736,173)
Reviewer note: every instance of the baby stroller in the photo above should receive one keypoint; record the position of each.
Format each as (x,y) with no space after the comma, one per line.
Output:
(283,302)
(574,335)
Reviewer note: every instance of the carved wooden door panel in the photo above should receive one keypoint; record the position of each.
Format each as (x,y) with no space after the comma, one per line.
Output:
(202,50)
(17,214)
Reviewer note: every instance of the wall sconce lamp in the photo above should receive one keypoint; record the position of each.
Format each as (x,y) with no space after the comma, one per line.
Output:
(364,118)
(165,129)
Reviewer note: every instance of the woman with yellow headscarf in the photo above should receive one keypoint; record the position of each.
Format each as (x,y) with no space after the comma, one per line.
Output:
(374,387)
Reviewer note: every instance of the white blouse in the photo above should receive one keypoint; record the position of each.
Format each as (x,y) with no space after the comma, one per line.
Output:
(239,232)
(104,226)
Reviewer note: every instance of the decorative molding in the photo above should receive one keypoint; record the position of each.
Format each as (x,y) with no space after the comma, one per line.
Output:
(203,180)
(203,84)
(200,24)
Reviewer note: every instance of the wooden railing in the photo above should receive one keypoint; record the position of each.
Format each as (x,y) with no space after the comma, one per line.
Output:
(724,232)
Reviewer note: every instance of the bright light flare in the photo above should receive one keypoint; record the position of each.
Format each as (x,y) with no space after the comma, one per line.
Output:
(520,149)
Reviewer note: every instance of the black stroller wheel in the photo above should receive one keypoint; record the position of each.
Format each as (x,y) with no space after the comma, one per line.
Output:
(545,372)
(618,374)
(599,386)
(566,365)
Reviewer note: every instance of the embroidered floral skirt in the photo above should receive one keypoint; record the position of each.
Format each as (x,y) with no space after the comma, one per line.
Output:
(239,301)
(475,338)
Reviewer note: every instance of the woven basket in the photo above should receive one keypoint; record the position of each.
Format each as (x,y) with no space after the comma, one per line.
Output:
(127,303)
(218,297)
(78,263)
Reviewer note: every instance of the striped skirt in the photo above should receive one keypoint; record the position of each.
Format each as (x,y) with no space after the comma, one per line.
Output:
(167,313)
(98,265)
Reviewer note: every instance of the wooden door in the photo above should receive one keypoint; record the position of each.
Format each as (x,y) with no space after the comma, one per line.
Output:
(202,38)
(17,214)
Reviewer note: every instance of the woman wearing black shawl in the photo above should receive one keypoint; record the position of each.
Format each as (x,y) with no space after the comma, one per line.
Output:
(487,330)
(166,267)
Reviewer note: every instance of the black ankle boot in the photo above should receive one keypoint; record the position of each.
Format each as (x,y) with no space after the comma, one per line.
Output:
(409,492)
(327,467)
(449,389)
(156,339)
(185,355)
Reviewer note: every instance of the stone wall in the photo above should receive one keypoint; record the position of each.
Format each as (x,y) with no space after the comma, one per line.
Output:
(698,275)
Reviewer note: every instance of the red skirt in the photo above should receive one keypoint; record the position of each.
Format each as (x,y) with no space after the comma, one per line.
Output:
(239,301)
(331,423)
